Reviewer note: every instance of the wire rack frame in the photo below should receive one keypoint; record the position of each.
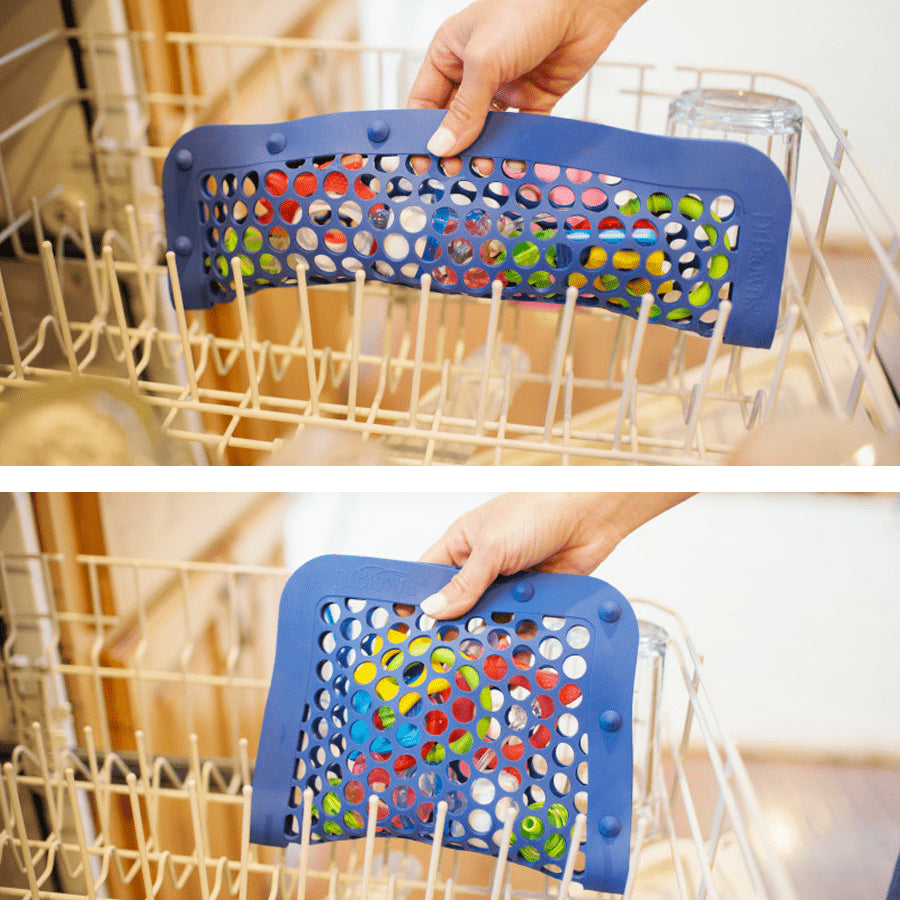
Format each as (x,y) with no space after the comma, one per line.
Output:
(638,397)
(697,832)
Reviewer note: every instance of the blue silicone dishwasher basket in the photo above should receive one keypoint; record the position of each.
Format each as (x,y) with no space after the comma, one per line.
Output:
(539,203)
(523,702)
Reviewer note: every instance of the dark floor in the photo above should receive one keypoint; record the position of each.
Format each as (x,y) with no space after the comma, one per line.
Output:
(837,826)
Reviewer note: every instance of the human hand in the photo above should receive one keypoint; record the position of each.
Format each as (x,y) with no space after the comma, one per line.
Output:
(556,532)
(523,54)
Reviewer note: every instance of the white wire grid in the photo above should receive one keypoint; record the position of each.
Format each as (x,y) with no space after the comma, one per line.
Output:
(163,811)
(403,376)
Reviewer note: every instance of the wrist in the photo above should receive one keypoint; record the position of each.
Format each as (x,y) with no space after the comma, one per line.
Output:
(613,14)
(605,519)
(628,511)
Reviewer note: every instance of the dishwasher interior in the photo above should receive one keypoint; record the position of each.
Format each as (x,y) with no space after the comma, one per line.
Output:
(135,690)
(367,372)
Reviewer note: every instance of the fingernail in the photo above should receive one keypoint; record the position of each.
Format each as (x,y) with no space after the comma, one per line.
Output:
(434,605)
(441,142)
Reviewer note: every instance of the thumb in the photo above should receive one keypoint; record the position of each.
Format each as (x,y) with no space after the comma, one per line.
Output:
(463,590)
(466,113)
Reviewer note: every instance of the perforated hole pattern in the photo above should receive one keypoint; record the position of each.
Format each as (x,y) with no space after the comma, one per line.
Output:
(485,714)
(537,228)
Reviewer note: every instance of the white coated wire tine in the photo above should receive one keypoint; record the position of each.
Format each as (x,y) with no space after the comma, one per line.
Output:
(59,305)
(7,818)
(849,197)
(275,885)
(670,832)
(697,395)
(385,852)
(503,852)
(101,795)
(632,416)
(424,294)
(237,638)
(615,353)
(504,413)
(441,336)
(244,873)
(333,875)
(703,713)
(438,410)
(305,829)
(83,852)
(733,372)
(308,351)
(96,676)
(220,867)
(355,341)
(371,826)
(436,842)
(36,219)
(84,227)
(134,233)
(459,345)
(182,327)
(241,301)
(631,372)
(567,416)
(815,347)
(136,816)
(562,347)
(134,56)
(152,798)
(244,760)
(10,216)
(19,820)
(640,836)
(378,396)
(142,691)
(837,303)
(196,766)
(54,809)
(676,357)
(496,300)
(11,339)
(715,830)
(119,310)
(742,784)
(830,190)
(187,648)
(875,320)
(680,779)
(578,835)
(756,410)
(200,837)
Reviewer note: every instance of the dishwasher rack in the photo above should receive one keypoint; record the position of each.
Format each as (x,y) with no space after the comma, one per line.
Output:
(373,373)
(135,735)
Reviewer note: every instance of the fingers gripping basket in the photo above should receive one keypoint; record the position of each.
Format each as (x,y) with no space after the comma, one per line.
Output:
(538,203)
(517,714)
